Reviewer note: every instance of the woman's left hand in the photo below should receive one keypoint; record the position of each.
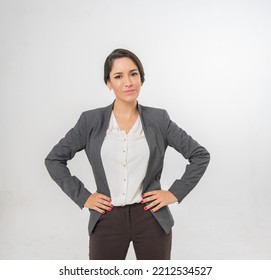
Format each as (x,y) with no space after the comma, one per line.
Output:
(158,199)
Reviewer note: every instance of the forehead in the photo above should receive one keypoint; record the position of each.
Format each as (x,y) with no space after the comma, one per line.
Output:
(123,64)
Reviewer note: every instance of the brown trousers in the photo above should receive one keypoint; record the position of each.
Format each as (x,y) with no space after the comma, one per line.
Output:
(115,230)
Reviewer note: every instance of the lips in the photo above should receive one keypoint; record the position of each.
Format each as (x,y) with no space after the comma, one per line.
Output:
(129,91)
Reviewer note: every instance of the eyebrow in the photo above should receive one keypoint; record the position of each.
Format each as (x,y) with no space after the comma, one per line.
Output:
(117,73)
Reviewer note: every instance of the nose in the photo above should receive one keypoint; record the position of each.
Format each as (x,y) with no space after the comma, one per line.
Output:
(128,82)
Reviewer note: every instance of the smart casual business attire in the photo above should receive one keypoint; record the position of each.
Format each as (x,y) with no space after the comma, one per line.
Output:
(125,159)
(94,132)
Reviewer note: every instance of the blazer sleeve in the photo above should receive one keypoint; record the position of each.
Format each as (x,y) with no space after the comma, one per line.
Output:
(56,162)
(197,156)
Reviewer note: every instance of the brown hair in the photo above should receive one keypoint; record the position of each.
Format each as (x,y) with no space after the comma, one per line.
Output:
(119,53)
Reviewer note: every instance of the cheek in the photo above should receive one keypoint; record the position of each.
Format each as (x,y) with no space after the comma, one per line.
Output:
(117,89)
(138,80)
(138,86)
(115,85)
(135,81)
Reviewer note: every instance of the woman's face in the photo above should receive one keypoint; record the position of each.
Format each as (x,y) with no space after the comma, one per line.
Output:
(124,79)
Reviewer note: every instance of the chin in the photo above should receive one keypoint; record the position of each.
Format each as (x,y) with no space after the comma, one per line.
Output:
(130,99)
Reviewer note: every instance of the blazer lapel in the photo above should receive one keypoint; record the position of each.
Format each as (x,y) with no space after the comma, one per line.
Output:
(96,152)
(150,137)
(151,140)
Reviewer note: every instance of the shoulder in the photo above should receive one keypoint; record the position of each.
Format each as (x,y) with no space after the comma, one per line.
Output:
(158,114)
(94,117)
(97,112)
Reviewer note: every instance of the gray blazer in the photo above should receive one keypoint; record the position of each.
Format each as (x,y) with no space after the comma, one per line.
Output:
(160,132)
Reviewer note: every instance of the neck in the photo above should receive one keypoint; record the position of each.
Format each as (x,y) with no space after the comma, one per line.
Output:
(124,108)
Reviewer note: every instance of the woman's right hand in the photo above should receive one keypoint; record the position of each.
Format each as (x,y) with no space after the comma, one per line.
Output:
(99,202)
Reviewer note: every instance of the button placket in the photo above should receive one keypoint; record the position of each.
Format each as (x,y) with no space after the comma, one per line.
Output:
(125,171)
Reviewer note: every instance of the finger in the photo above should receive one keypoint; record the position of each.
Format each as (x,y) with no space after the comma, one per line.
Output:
(103,207)
(150,198)
(98,210)
(151,205)
(159,206)
(104,202)
(149,193)
(104,197)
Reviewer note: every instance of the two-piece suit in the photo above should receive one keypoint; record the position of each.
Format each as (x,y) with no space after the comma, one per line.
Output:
(160,132)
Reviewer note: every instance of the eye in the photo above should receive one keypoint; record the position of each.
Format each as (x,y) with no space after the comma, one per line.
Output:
(134,74)
(117,77)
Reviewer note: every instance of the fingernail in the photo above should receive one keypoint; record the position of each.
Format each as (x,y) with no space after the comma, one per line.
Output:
(145,208)
(103,212)
(142,201)
(110,209)
(152,210)
(143,195)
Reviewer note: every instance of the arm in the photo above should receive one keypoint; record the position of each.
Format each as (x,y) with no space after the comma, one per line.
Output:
(198,158)
(56,162)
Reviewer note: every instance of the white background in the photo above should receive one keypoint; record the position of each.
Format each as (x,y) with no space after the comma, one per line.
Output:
(207,63)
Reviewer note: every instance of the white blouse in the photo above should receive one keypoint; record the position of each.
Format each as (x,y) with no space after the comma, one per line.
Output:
(125,158)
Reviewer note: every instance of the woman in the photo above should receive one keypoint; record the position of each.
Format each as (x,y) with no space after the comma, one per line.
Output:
(125,143)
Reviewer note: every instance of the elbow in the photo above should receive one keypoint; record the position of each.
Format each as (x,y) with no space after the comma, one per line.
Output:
(206,160)
(201,158)
(208,156)
(47,163)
